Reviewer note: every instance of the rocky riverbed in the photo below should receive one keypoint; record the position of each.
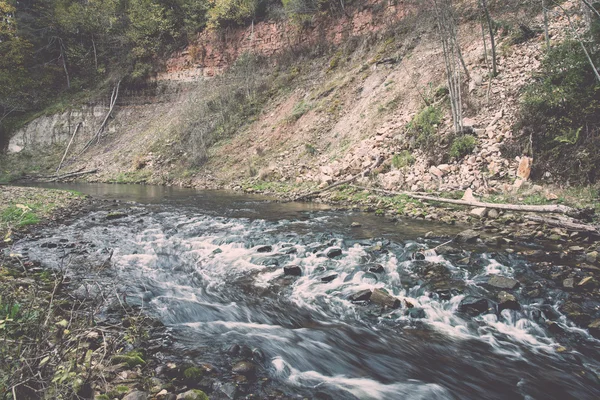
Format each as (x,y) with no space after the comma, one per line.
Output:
(242,298)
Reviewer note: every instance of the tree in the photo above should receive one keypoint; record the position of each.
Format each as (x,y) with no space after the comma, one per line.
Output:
(452,57)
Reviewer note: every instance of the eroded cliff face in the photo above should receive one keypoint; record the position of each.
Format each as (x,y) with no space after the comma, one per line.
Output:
(212,52)
(50,130)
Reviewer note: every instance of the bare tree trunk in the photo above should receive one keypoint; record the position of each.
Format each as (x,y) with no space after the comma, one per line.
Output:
(64,62)
(546,34)
(492,40)
(95,54)
(113,101)
(452,57)
(68,146)
(553,208)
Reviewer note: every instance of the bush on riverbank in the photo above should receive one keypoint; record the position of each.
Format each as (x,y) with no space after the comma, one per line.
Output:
(560,116)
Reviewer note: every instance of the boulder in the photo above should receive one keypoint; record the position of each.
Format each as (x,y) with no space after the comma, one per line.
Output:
(292,270)
(433,170)
(363,295)
(594,328)
(193,394)
(468,236)
(136,395)
(415,313)
(474,306)
(479,212)
(524,169)
(493,213)
(329,277)
(384,299)
(591,257)
(501,282)
(246,368)
(507,301)
(334,252)
(468,196)
(375,268)
(264,249)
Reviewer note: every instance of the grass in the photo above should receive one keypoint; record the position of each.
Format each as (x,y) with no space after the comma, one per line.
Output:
(20,207)
(139,176)
(403,159)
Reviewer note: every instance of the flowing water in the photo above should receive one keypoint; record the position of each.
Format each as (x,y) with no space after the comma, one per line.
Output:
(209,265)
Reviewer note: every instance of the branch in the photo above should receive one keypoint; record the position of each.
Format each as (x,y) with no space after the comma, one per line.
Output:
(572,226)
(336,184)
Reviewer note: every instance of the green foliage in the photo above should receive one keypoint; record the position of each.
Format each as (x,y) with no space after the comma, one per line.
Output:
(298,111)
(193,374)
(132,359)
(403,159)
(231,11)
(560,115)
(303,11)
(424,126)
(310,149)
(198,395)
(19,215)
(462,145)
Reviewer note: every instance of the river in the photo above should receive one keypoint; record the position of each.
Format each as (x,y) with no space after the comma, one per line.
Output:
(210,266)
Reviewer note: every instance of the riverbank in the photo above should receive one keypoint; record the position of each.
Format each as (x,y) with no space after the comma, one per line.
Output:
(64,335)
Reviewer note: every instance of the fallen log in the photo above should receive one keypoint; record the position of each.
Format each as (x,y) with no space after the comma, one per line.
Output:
(72,174)
(345,181)
(113,101)
(554,208)
(561,223)
(68,146)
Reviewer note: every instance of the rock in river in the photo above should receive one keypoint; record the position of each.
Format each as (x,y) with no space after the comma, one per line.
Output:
(507,301)
(244,368)
(293,270)
(468,236)
(415,313)
(264,249)
(329,277)
(334,252)
(475,305)
(594,328)
(500,282)
(383,299)
(363,295)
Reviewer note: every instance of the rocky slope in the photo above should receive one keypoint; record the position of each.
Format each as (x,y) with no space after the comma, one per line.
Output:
(341,111)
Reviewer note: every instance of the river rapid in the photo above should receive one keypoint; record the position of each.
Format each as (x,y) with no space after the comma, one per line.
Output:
(212,267)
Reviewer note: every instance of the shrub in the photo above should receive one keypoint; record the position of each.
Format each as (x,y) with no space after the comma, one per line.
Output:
(404,159)
(424,125)
(462,145)
(559,120)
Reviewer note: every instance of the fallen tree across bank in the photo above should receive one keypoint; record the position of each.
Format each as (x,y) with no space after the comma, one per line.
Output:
(552,208)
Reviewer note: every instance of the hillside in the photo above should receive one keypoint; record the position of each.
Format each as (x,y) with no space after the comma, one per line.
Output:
(308,104)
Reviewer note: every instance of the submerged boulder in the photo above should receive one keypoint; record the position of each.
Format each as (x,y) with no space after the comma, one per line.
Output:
(334,252)
(363,295)
(292,270)
(474,306)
